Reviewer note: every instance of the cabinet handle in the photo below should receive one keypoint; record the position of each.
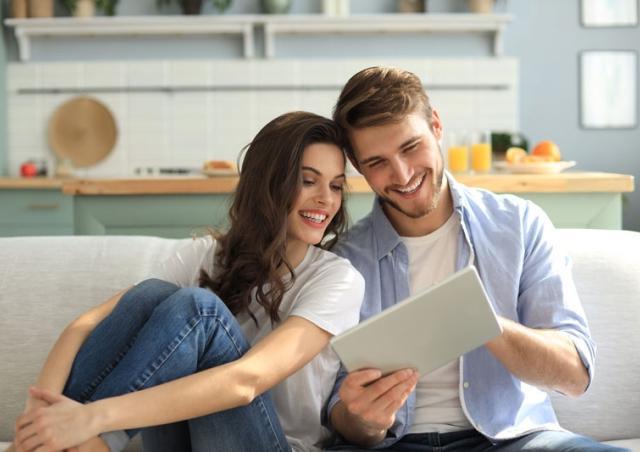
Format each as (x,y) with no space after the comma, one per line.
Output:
(43,206)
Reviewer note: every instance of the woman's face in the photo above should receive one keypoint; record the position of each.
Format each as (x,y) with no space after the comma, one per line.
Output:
(320,195)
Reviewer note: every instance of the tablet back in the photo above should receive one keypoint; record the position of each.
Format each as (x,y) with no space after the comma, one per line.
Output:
(425,331)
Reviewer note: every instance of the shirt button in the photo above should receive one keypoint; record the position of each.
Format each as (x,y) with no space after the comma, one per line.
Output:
(465,385)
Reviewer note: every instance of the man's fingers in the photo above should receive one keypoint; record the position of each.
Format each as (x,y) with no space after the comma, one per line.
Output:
(394,398)
(383,385)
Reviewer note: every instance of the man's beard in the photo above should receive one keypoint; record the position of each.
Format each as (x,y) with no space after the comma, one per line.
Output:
(435,198)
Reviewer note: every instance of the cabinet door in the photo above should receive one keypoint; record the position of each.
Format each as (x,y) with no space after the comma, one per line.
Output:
(35,212)
(566,210)
(171,216)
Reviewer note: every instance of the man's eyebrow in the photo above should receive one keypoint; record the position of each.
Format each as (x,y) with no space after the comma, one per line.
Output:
(369,160)
(411,141)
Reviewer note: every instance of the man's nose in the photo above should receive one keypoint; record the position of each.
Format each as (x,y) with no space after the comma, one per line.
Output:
(402,172)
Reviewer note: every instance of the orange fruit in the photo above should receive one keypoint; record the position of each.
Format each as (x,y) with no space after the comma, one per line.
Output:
(514,155)
(547,149)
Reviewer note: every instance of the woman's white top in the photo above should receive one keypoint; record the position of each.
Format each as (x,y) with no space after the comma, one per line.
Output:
(328,292)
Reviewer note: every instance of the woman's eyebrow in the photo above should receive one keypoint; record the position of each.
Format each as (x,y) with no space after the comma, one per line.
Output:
(313,170)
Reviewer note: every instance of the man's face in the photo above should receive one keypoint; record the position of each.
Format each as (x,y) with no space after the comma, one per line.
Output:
(403,164)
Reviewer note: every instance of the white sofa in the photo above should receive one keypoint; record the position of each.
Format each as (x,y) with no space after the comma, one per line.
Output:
(47,281)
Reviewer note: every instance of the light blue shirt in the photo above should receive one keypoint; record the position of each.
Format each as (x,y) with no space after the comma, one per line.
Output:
(527,276)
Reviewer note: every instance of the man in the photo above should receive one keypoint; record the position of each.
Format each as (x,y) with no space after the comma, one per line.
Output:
(423,227)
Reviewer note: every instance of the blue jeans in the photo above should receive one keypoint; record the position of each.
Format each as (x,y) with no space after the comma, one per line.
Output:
(158,333)
(472,441)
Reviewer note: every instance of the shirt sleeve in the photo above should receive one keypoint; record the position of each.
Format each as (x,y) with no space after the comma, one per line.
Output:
(332,298)
(183,268)
(548,297)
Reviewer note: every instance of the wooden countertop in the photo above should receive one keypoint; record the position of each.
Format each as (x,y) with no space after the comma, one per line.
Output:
(569,182)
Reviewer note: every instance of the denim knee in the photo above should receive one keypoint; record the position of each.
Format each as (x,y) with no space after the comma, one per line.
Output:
(145,296)
(196,301)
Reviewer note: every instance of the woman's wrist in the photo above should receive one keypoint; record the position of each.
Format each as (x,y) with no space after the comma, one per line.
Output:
(98,416)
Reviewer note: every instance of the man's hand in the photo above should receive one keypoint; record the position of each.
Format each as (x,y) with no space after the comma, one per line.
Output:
(369,403)
(60,425)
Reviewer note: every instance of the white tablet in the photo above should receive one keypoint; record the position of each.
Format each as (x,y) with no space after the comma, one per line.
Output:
(425,331)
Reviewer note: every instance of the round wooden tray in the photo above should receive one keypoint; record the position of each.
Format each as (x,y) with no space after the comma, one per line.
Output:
(82,130)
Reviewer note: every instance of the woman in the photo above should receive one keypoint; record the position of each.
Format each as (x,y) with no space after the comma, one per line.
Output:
(179,353)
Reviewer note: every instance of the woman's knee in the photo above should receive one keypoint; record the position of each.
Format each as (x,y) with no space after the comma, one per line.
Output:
(196,301)
(145,296)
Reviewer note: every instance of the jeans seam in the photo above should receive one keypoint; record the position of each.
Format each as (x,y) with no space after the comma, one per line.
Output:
(260,400)
(93,385)
(170,349)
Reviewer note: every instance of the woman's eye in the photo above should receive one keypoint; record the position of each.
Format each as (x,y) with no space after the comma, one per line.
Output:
(337,187)
(307,182)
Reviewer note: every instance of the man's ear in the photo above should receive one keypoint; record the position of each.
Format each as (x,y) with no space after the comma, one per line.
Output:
(436,125)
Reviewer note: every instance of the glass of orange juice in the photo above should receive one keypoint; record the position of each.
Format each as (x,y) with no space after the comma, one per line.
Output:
(458,152)
(481,151)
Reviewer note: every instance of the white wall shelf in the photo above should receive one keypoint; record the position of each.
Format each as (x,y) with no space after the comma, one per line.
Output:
(386,23)
(245,26)
(26,29)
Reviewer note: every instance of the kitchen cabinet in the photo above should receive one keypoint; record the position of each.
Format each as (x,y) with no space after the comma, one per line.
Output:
(183,206)
(173,216)
(29,212)
(184,215)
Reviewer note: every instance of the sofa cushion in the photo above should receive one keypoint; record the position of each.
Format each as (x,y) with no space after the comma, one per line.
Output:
(607,275)
(45,282)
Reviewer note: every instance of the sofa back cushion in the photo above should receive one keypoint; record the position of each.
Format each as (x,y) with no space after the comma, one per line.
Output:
(607,275)
(45,282)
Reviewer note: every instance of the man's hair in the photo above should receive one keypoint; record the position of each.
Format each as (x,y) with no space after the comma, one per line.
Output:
(377,96)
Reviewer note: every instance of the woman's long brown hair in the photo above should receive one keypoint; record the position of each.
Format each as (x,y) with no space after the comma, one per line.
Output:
(251,254)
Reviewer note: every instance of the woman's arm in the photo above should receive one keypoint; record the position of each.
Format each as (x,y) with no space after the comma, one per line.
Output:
(281,353)
(57,366)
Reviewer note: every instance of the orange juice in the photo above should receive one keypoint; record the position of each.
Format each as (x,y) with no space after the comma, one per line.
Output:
(458,159)
(481,157)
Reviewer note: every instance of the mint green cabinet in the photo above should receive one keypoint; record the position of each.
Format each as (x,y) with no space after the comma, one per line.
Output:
(183,215)
(35,212)
(49,212)
(173,216)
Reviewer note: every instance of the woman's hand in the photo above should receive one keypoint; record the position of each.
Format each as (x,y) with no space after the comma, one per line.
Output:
(63,424)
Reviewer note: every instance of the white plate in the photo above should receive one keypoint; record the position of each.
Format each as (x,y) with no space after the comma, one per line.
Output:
(535,167)
(220,172)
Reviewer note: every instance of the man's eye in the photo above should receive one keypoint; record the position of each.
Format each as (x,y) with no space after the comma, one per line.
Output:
(376,164)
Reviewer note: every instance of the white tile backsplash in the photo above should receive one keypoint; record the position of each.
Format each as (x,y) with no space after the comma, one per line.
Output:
(179,113)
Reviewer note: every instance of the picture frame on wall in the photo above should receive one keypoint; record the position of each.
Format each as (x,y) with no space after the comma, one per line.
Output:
(608,89)
(609,13)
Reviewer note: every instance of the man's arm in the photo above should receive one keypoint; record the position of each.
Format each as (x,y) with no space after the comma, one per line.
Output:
(368,404)
(545,358)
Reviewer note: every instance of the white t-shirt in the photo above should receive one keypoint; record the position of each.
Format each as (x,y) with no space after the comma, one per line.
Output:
(431,259)
(327,291)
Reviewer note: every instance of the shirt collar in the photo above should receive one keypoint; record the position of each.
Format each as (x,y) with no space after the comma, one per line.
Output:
(387,238)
